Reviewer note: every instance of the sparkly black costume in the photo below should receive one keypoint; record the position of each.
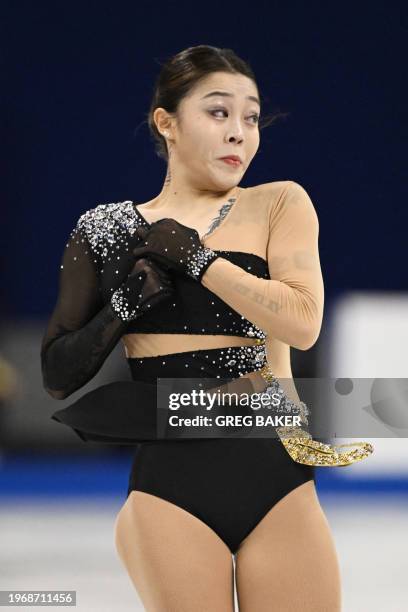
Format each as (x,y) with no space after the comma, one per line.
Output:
(230,484)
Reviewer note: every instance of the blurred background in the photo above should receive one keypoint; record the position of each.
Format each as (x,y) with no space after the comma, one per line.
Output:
(78,80)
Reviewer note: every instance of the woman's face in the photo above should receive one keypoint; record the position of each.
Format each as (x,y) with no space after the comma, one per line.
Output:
(213,126)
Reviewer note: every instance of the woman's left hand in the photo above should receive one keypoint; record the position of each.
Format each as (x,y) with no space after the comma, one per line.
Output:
(176,247)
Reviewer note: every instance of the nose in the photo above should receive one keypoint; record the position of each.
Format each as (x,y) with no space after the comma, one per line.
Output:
(235,136)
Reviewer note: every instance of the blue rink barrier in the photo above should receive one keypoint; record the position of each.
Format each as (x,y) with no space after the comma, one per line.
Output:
(76,475)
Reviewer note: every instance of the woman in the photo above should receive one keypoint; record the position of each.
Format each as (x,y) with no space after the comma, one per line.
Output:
(204,280)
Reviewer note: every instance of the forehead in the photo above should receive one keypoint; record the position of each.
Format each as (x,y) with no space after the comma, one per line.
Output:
(239,85)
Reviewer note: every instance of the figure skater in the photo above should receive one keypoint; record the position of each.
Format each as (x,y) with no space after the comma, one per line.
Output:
(207,279)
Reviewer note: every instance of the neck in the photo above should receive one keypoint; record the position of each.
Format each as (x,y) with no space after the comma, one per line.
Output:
(183,197)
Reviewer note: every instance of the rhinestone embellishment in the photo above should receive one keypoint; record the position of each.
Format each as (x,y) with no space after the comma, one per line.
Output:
(303,449)
(122,307)
(109,226)
(199,261)
(108,230)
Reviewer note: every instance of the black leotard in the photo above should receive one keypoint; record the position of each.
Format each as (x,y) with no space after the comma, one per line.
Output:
(274,291)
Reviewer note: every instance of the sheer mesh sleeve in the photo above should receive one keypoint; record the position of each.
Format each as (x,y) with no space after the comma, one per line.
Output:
(83,329)
(289,306)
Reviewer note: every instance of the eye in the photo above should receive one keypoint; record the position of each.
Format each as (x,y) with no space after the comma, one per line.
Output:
(223,110)
(256,117)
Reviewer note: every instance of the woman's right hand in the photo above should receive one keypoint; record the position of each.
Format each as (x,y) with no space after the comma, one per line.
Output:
(146,286)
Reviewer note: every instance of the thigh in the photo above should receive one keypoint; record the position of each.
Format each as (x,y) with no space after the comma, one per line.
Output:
(175,561)
(288,563)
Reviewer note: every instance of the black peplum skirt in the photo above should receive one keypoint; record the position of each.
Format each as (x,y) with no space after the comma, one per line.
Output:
(125,412)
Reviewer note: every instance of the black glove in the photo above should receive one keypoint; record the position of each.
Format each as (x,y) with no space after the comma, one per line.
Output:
(176,247)
(90,317)
(147,285)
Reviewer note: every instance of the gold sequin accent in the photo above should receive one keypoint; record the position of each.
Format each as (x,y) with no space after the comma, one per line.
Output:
(303,449)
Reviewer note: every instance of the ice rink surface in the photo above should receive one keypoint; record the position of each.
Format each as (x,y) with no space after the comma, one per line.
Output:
(68,544)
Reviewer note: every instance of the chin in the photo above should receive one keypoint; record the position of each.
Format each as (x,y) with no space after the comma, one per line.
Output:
(222,181)
(226,185)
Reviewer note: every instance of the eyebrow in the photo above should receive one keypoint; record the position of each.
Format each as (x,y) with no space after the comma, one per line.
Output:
(229,95)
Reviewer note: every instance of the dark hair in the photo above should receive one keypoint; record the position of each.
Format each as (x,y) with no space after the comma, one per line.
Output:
(181,72)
